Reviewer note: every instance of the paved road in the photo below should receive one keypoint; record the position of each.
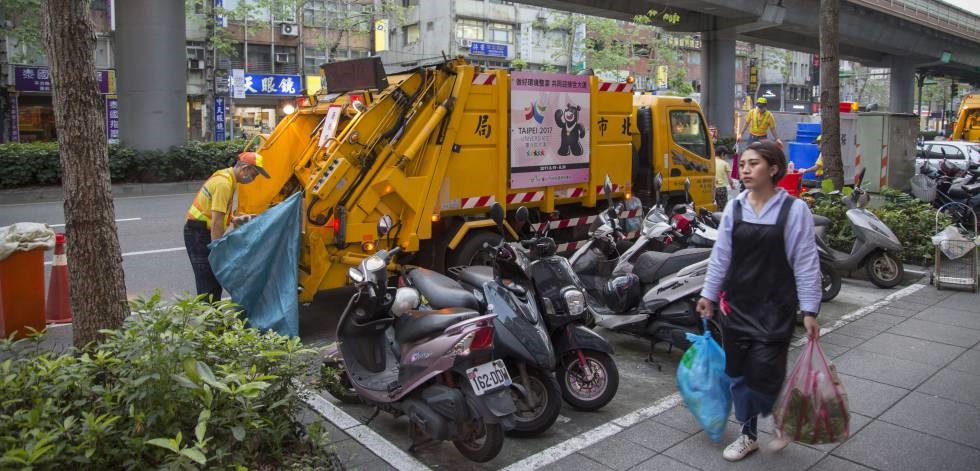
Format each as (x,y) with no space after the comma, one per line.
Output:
(152,244)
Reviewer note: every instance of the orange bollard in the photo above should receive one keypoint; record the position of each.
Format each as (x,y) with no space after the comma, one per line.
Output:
(58,310)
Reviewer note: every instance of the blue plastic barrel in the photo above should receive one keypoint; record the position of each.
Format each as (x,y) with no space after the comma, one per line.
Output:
(804,155)
(807,132)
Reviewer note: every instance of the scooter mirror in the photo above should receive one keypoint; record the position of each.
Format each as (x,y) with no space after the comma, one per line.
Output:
(521,215)
(355,274)
(384,225)
(497,214)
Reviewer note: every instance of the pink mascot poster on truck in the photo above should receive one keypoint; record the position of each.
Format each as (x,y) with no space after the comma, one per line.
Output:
(549,129)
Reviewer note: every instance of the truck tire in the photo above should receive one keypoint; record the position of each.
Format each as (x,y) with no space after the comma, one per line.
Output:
(469,251)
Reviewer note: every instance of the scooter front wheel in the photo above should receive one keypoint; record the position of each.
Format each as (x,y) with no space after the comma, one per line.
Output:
(539,410)
(884,270)
(484,447)
(589,387)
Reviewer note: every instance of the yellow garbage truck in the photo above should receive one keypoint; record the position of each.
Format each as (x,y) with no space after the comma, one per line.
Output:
(968,120)
(436,147)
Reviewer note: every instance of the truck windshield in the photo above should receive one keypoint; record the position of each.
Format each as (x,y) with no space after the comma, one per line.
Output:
(689,132)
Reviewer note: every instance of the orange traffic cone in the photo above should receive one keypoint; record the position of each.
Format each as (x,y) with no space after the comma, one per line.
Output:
(58,310)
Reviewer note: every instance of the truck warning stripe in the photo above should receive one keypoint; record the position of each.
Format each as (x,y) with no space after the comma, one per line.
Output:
(615,87)
(571,246)
(583,221)
(477,202)
(529,197)
(484,79)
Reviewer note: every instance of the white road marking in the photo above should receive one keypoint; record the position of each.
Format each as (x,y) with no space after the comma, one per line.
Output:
(145,252)
(371,440)
(591,437)
(117,220)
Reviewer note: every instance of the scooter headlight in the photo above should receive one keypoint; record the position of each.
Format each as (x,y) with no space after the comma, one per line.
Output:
(574,301)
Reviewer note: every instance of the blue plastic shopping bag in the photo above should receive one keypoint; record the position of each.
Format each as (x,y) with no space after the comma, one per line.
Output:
(704,385)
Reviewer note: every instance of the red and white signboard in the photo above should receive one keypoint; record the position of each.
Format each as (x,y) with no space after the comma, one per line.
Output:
(330,122)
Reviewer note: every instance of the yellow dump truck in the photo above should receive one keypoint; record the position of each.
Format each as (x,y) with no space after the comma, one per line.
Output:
(968,120)
(436,147)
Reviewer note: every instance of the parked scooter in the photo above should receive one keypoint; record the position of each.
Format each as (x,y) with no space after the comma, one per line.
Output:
(586,371)
(520,337)
(656,301)
(434,367)
(874,243)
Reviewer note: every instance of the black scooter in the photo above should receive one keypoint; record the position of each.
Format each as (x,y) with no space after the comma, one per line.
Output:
(520,336)
(586,371)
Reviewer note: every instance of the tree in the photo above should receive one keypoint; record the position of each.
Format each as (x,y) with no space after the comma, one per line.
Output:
(830,91)
(98,289)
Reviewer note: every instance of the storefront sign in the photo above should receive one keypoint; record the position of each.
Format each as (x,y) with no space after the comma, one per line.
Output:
(266,84)
(488,49)
(112,119)
(236,83)
(773,93)
(13,119)
(753,77)
(38,79)
(219,118)
(549,129)
(663,79)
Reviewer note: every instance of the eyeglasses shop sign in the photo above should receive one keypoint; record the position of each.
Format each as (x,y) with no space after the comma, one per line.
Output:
(267,84)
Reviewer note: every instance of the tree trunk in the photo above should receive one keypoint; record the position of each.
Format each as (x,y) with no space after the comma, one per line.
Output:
(98,289)
(830,91)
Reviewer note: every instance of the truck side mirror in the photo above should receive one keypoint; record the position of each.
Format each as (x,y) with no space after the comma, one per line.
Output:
(497,214)
(687,190)
(658,183)
(384,225)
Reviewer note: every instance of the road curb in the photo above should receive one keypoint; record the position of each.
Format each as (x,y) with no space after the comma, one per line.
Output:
(49,194)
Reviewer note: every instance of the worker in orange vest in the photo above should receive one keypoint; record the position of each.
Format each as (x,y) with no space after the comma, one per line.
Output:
(760,123)
(210,214)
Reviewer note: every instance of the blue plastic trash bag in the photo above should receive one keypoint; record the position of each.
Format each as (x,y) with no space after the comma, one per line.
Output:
(704,385)
(258,263)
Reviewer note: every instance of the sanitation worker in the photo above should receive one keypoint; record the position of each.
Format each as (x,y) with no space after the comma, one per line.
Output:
(760,123)
(210,214)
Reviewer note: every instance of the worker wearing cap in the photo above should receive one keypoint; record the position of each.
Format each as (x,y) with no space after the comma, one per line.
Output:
(817,167)
(760,123)
(210,214)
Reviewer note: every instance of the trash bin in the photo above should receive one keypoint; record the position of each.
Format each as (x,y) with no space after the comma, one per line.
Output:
(22,292)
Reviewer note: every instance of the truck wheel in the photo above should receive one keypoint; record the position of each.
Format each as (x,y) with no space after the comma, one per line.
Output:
(471,251)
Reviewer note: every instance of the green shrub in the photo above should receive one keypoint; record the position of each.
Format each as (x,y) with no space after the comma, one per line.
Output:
(39,164)
(928,135)
(912,221)
(727,141)
(183,385)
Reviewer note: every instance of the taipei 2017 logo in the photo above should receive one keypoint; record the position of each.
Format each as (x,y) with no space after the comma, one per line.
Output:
(535,112)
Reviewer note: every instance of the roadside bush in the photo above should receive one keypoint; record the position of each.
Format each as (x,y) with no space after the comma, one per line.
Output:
(183,385)
(727,141)
(928,135)
(912,221)
(39,164)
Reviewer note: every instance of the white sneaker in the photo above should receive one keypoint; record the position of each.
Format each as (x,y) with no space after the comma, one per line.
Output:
(778,442)
(740,448)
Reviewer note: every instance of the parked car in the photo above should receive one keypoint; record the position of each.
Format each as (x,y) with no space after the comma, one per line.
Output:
(954,152)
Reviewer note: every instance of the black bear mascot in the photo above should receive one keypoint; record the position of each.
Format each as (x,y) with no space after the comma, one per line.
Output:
(571,130)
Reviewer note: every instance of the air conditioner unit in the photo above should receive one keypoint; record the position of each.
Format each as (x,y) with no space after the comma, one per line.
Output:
(290,29)
(463,42)
(282,58)
(193,64)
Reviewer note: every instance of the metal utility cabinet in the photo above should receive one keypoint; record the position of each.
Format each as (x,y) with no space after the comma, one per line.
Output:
(885,146)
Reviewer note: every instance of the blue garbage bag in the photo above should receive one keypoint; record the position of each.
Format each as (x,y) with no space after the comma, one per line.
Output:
(704,385)
(258,265)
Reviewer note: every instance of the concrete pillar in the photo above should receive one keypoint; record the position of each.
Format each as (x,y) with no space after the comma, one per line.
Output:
(901,90)
(151,73)
(718,79)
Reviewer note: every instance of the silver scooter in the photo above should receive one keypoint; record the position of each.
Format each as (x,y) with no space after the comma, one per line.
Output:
(874,244)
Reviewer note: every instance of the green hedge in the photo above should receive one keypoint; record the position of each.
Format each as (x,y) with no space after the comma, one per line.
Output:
(181,385)
(38,163)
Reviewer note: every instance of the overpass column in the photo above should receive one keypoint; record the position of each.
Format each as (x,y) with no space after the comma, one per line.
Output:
(718,79)
(901,90)
(150,59)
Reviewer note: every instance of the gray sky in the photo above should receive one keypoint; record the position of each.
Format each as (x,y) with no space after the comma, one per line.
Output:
(972,6)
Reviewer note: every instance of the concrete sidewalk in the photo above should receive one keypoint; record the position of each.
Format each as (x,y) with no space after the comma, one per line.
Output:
(911,370)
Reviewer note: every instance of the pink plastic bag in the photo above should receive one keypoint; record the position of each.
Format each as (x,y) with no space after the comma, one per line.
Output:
(812,406)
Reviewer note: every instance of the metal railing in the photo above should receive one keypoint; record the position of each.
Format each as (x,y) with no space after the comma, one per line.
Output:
(939,15)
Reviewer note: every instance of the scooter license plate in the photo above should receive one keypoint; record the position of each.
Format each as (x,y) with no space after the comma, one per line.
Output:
(488,376)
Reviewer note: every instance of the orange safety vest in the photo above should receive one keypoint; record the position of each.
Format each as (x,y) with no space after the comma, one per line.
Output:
(200,209)
(758,125)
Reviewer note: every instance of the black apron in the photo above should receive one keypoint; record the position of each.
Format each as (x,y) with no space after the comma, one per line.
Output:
(760,290)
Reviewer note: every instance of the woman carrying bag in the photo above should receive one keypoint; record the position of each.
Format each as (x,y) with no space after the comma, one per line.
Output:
(763,265)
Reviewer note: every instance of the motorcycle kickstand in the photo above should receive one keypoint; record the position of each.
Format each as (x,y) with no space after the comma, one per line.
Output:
(653,345)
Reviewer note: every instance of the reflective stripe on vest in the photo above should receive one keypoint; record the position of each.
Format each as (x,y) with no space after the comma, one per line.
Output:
(758,125)
(198,211)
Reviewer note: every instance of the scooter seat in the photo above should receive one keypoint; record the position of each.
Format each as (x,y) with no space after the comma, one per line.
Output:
(652,266)
(477,275)
(821,221)
(415,325)
(441,290)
